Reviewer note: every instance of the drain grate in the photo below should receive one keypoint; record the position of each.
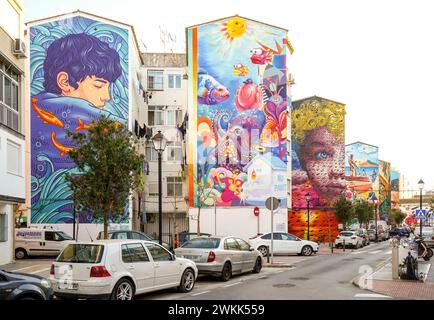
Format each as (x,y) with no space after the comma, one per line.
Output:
(299,278)
(284,285)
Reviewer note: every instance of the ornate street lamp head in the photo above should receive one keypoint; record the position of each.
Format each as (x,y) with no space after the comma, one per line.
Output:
(307,195)
(420,184)
(159,142)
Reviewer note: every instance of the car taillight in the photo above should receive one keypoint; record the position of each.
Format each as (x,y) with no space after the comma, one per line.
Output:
(211,257)
(337,237)
(99,272)
(353,238)
(52,269)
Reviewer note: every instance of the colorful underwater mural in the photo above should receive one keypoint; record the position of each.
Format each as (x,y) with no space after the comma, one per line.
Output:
(78,72)
(239,113)
(318,160)
(361,171)
(384,193)
(394,189)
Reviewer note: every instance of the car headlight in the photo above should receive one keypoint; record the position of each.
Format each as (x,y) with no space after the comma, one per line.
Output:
(45,283)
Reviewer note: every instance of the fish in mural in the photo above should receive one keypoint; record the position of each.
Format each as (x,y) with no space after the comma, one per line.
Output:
(63,150)
(210,91)
(82,125)
(248,96)
(47,117)
(241,70)
(264,54)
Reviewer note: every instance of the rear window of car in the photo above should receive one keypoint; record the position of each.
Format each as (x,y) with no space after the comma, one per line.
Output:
(81,253)
(371,231)
(346,234)
(202,243)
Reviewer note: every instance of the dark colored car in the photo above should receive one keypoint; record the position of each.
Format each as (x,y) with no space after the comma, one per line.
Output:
(186,236)
(21,286)
(399,232)
(127,234)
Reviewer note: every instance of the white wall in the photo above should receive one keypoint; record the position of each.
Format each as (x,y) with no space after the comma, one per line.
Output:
(239,222)
(7,248)
(12,185)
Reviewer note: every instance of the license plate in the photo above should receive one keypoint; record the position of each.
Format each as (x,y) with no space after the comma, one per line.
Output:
(68,286)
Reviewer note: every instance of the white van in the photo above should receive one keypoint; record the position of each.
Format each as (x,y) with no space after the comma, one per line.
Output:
(39,242)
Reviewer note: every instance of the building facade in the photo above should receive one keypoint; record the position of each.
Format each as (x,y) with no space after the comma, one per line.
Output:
(12,122)
(81,67)
(165,82)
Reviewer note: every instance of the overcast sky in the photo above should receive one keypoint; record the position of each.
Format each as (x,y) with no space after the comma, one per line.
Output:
(374,56)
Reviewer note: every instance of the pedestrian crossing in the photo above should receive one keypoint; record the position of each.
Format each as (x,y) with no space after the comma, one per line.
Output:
(371,252)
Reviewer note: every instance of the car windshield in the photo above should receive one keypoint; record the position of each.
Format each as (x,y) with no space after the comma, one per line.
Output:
(64,236)
(202,243)
(81,253)
(346,234)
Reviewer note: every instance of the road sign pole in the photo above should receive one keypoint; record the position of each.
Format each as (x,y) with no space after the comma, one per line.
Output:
(272,236)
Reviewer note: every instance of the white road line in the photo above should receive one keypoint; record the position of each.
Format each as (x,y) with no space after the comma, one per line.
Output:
(375,252)
(40,271)
(358,252)
(389,252)
(30,267)
(232,284)
(370,295)
(197,294)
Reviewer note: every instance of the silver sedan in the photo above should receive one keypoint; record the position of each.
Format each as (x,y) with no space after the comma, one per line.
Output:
(221,256)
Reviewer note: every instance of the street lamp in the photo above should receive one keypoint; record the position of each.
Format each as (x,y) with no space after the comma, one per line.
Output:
(420,185)
(308,215)
(373,199)
(160,142)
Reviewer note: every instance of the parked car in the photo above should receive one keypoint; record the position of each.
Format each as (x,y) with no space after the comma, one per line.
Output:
(400,232)
(350,238)
(39,242)
(283,243)
(371,233)
(118,270)
(186,236)
(363,233)
(20,286)
(223,256)
(427,234)
(127,234)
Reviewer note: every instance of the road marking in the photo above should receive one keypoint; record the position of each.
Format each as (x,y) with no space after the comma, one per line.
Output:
(40,271)
(196,294)
(358,252)
(30,267)
(375,252)
(389,252)
(232,284)
(370,295)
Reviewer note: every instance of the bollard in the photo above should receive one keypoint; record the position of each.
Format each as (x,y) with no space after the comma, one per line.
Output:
(268,254)
(395,258)
(343,245)
(331,246)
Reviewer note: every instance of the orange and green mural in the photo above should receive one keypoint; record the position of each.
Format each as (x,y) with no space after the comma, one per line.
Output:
(385,201)
(318,160)
(394,189)
(237,107)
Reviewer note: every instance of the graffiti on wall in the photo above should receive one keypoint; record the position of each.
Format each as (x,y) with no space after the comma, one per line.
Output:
(394,189)
(384,193)
(318,160)
(79,71)
(362,171)
(238,86)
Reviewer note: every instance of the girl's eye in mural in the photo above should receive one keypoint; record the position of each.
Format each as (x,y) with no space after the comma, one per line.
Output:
(322,155)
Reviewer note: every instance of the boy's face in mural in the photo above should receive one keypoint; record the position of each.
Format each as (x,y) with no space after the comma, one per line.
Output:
(93,89)
(322,159)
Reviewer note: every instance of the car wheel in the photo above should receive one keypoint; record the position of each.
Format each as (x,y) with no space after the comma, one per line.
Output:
(258,265)
(263,250)
(20,254)
(123,290)
(306,251)
(187,281)
(226,272)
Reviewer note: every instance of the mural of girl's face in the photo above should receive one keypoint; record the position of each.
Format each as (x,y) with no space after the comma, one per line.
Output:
(323,161)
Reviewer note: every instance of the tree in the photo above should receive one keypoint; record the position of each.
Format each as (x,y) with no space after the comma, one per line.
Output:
(363,211)
(344,211)
(110,164)
(396,216)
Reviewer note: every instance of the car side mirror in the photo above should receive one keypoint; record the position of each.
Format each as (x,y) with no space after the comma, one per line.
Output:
(251,249)
(173,257)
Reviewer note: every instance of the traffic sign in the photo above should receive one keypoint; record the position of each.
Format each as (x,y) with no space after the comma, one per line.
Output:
(420,214)
(256,211)
(272,203)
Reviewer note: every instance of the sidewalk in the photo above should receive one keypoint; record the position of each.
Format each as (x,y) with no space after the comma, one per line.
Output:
(380,281)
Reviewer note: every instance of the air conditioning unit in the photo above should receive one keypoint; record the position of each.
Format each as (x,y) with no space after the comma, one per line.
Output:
(20,49)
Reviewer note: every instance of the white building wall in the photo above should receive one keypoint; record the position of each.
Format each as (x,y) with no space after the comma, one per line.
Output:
(7,248)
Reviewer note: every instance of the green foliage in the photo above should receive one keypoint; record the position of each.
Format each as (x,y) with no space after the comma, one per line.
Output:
(363,211)
(344,211)
(396,216)
(107,155)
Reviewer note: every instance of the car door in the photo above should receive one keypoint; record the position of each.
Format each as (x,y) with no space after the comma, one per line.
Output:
(248,256)
(167,268)
(5,287)
(290,243)
(52,244)
(233,250)
(135,259)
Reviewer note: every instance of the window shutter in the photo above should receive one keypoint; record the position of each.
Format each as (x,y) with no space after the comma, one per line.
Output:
(3,227)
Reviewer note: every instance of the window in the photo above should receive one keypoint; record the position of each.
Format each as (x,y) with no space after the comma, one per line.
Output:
(276,236)
(243,245)
(9,99)
(158,253)
(153,189)
(174,187)
(82,253)
(156,116)
(13,158)
(52,236)
(174,151)
(231,244)
(139,236)
(287,236)
(164,115)
(174,117)
(155,80)
(201,243)
(120,235)
(3,227)
(151,153)
(174,81)
(134,253)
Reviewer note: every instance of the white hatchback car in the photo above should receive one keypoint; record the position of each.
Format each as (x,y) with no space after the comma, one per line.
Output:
(118,270)
(283,243)
(350,238)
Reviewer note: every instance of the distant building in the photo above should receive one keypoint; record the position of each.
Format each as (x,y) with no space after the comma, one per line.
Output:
(13,55)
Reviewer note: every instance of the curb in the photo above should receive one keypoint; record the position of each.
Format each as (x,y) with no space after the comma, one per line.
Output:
(278,265)
(355,280)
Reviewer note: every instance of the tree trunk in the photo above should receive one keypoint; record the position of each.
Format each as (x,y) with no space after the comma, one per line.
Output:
(105,225)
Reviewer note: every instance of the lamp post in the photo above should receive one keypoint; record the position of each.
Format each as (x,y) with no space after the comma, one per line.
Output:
(160,142)
(420,185)
(373,199)
(308,215)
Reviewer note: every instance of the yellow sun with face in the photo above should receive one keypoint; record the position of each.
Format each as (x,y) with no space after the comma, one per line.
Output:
(234,28)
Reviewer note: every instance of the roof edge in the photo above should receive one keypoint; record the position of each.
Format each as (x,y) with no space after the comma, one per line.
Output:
(318,97)
(371,145)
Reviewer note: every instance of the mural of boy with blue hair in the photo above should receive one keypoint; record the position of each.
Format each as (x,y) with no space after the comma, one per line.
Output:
(78,71)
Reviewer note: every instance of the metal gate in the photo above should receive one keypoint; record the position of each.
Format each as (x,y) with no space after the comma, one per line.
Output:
(173,224)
